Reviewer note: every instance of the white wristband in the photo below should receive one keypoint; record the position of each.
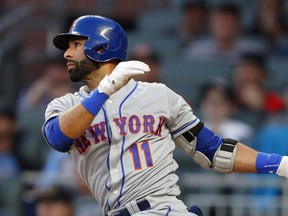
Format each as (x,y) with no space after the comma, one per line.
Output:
(283,167)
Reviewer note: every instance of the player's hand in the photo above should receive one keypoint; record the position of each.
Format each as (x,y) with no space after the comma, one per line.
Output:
(120,76)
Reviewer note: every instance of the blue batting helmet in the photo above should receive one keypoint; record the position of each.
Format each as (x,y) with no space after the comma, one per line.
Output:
(103,34)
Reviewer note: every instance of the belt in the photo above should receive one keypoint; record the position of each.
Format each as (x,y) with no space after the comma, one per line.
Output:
(142,204)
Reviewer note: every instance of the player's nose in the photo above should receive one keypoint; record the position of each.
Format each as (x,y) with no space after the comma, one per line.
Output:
(68,53)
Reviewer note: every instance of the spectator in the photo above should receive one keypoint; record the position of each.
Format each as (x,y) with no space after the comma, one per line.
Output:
(50,85)
(145,52)
(58,167)
(270,24)
(226,42)
(217,107)
(55,201)
(272,136)
(285,99)
(10,186)
(193,21)
(124,11)
(275,129)
(9,164)
(255,98)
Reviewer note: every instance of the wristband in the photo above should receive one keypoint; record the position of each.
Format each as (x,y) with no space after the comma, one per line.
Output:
(267,163)
(94,102)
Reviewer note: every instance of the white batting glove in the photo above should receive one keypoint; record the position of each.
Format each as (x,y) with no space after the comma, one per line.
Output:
(120,76)
(283,167)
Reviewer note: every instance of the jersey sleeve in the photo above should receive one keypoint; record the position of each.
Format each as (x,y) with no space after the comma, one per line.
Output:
(182,117)
(54,109)
(58,106)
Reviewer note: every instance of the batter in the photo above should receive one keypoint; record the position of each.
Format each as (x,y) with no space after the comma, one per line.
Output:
(121,134)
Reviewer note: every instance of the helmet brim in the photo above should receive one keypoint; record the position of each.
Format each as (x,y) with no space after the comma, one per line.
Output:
(61,41)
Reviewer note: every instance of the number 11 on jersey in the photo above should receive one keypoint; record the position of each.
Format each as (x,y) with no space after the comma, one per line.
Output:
(134,150)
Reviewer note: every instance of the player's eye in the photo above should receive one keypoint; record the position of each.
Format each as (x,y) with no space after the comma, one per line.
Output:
(77,44)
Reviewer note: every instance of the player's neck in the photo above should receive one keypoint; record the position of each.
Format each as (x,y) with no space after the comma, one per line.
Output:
(92,80)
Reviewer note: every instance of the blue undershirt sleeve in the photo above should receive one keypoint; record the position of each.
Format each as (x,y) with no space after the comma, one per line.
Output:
(208,142)
(55,137)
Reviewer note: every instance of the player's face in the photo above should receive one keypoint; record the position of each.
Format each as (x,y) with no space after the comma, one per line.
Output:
(79,66)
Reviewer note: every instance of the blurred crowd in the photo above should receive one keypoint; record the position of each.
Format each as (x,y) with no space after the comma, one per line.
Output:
(247,104)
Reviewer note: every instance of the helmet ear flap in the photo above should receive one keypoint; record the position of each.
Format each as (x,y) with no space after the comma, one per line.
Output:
(98,51)
(101,48)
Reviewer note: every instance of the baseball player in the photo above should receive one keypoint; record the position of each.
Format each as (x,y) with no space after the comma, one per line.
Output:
(121,133)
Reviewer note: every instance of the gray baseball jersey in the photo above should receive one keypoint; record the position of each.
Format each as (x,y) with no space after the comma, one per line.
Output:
(127,152)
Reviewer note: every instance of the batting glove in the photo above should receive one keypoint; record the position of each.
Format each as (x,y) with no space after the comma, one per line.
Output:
(283,167)
(120,76)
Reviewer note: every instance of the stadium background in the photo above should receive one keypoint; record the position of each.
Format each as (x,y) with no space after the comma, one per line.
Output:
(26,31)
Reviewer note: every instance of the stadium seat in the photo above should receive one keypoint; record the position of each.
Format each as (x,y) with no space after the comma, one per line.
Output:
(186,77)
(165,45)
(158,21)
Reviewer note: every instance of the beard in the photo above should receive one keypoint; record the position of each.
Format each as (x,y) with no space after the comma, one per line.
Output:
(82,69)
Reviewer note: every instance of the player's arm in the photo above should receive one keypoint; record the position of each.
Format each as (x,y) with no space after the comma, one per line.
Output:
(245,159)
(248,160)
(62,130)
(77,119)
(228,155)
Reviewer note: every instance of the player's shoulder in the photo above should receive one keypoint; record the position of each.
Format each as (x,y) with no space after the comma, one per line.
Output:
(157,87)
(153,85)
(61,104)
(69,99)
